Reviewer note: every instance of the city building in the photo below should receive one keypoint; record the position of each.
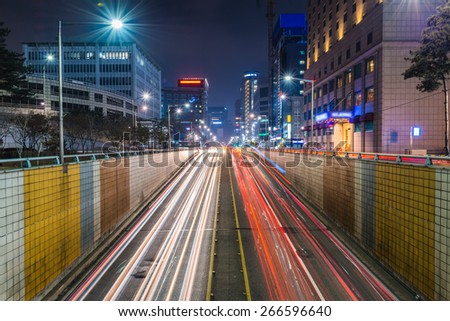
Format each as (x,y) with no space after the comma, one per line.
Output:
(238,123)
(249,115)
(76,97)
(122,68)
(188,107)
(290,49)
(356,57)
(263,111)
(218,123)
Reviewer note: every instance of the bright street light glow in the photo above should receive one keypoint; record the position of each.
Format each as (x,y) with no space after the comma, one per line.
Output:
(288,78)
(116,24)
(146,96)
(50,57)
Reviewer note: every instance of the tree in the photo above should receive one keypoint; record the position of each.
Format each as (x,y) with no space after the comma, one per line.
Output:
(140,136)
(29,131)
(12,69)
(158,133)
(4,131)
(116,128)
(431,62)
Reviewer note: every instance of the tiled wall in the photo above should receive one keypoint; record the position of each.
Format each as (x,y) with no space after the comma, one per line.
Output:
(12,250)
(51,224)
(48,218)
(404,222)
(442,234)
(399,212)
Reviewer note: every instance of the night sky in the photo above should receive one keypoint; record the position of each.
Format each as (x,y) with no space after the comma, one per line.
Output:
(216,39)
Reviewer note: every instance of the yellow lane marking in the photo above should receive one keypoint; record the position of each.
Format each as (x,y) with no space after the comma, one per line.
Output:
(241,247)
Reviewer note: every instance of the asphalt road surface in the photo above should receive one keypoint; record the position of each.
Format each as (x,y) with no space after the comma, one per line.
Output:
(227,227)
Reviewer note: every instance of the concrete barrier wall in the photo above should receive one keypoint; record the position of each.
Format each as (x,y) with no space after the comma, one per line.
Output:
(400,213)
(49,219)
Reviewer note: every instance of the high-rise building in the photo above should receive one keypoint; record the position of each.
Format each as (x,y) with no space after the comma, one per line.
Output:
(356,55)
(219,123)
(290,49)
(122,68)
(238,121)
(249,88)
(188,106)
(262,111)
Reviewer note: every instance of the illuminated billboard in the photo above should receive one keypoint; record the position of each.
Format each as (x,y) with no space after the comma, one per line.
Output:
(191,82)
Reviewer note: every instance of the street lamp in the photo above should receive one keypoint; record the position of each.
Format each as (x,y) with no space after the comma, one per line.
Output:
(48,58)
(116,24)
(289,78)
(145,97)
(168,122)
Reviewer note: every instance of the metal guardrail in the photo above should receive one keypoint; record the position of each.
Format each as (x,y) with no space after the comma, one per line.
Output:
(29,162)
(426,160)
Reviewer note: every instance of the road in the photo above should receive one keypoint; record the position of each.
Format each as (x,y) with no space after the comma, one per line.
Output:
(161,257)
(229,228)
(300,258)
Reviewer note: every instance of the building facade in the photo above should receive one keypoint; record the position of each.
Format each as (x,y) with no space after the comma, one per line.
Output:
(188,107)
(263,111)
(122,68)
(356,57)
(249,89)
(78,97)
(290,49)
(218,123)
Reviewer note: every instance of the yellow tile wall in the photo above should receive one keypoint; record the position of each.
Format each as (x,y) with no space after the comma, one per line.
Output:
(404,219)
(52,224)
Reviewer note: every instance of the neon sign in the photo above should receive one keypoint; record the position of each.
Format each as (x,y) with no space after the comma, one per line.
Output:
(341,114)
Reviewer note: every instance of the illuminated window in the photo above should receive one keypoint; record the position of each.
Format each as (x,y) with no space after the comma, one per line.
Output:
(370,66)
(348,76)
(339,81)
(348,102)
(370,95)
(358,98)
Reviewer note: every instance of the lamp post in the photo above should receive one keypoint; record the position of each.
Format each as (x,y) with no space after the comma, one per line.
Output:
(116,24)
(61,123)
(145,97)
(168,124)
(289,78)
(47,59)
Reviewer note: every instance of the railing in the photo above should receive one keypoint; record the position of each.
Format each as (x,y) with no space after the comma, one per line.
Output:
(29,162)
(427,160)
